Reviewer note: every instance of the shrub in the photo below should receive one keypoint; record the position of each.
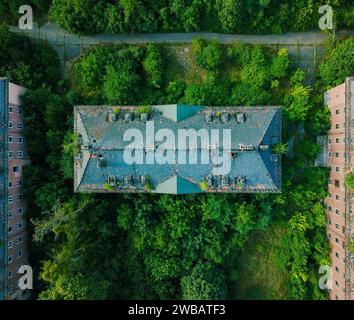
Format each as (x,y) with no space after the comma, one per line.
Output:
(204,186)
(210,57)
(144,109)
(349,180)
(108,187)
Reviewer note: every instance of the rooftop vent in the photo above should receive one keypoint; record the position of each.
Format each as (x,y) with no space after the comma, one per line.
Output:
(264,147)
(209,180)
(245,147)
(225,181)
(112,117)
(112,180)
(208,117)
(225,117)
(241,118)
(128,117)
(144,117)
(128,181)
(240,182)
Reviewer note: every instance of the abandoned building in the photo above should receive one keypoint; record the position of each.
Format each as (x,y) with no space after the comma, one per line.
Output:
(100,166)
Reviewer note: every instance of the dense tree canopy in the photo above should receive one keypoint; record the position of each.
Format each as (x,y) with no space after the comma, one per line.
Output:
(228,16)
(25,62)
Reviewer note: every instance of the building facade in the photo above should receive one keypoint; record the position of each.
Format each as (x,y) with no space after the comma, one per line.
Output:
(340,200)
(13,157)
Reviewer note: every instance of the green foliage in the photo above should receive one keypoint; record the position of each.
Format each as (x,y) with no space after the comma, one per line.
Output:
(153,65)
(297,103)
(349,180)
(210,56)
(108,187)
(9,9)
(228,16)
(338,64)
(144,109)
(280,149)
(148,185)
(204,283)
(27,63)
(204,186)
(119,86)
(230,13)
(280,64)
(321,120)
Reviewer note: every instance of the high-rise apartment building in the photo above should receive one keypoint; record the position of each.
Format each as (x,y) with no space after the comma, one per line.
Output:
(13,156)
(340,200)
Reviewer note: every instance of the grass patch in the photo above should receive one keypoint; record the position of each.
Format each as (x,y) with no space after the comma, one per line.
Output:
(259,276)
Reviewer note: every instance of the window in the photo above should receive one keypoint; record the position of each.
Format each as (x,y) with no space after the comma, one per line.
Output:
(15,169)
(337,284)
(329,221)
(9,259)
(329,141)
(330,154)
(337,269)
(329,236)
(19,197)
(19,240)
(330,195)
(10,184)
(19,225)
(337,140)
(19,154)
(9,229)
(337,197)
(10,109)
(10,244)
(11,154)
(19,140)
(10,289)
(329,208)
(11,139)
(19,183)
(19,110)
(19,254)
(337,212)
(337,298)
(9,275)
(337,111)
(337,154)
(337,226)
(10,199)
(337,169)
(11,124)
(19,125)
(19,211)
(9,214)
(337,240)
(337,126)
(336,183)
(337,255)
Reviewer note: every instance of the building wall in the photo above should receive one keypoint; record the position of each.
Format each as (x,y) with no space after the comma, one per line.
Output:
(338,199)
(17,157)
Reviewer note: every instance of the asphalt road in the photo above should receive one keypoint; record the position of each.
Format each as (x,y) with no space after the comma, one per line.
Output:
(53,34)
(304,47)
